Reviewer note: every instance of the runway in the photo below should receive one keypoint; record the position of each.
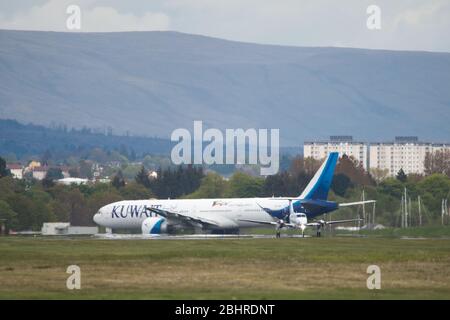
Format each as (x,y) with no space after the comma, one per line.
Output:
(190,236)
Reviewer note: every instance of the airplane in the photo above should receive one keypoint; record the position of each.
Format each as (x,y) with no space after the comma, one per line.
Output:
(225,215)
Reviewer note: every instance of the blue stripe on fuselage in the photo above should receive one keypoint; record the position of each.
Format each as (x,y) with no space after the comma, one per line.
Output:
(156,229)
(311,208)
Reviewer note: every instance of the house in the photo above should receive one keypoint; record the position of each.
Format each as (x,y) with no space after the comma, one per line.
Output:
(33,164)
(16,170)
(65,171)
(39,173)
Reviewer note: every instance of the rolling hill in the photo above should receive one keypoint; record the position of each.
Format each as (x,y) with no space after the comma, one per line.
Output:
(149,83)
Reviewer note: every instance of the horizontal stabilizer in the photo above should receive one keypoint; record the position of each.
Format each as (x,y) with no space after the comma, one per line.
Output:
(348,204)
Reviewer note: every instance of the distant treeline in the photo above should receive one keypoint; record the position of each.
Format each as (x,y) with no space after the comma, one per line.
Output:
(26,140)
(26,204)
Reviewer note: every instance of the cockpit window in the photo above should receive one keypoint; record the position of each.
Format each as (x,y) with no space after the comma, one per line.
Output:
(301,215)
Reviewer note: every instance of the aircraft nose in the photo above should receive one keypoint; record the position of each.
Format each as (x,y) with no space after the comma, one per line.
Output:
(98,217)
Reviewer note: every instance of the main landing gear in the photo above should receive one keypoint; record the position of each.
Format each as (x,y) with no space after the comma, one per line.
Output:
(318,232)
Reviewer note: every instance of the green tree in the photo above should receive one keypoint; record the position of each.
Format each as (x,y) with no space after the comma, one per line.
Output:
(379,174)
(3,170)
(69,204)
(78,209)
(212,186)
(9,186)
(33,208)
(85,169)
(437,162)
(142,177)
(118,181)
(130,171)
(341,183)
(353,169)
(283,184)
(74,172)
(172,183)
(391,187)
(401,176)
(47,183)
(244,186)
(433,189)
(7,216)
(97,200)
(276,184)
(135,191)
(61,211)
(42,210)
(54,174)
(23,206)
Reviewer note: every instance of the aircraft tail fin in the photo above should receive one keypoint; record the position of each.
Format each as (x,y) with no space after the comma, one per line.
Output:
(319,185)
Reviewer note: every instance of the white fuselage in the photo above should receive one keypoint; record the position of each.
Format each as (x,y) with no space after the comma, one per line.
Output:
(164,216)
(224,213)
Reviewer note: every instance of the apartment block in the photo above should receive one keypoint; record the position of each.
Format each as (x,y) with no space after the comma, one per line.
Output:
(405,152)
(342,144)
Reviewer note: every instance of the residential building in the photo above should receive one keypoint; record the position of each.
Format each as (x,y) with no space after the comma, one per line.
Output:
(342,144)
(16,170)
(407,153)
(39,173)
(33,164)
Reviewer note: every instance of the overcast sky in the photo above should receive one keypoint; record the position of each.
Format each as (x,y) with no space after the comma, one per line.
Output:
(405,24)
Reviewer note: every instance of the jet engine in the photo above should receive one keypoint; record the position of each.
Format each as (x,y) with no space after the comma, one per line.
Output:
(154,225)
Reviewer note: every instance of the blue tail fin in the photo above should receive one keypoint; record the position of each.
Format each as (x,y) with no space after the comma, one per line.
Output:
(319,185)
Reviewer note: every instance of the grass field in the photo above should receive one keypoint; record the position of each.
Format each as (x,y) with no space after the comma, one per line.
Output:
(287,268)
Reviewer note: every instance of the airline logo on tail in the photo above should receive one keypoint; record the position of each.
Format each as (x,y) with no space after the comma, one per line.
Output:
(313,200)
(318,187)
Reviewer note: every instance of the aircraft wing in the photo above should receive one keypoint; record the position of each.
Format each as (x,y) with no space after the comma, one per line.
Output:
(323,222)
(344,221)
(184,218)
(260,221)
(273,223)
